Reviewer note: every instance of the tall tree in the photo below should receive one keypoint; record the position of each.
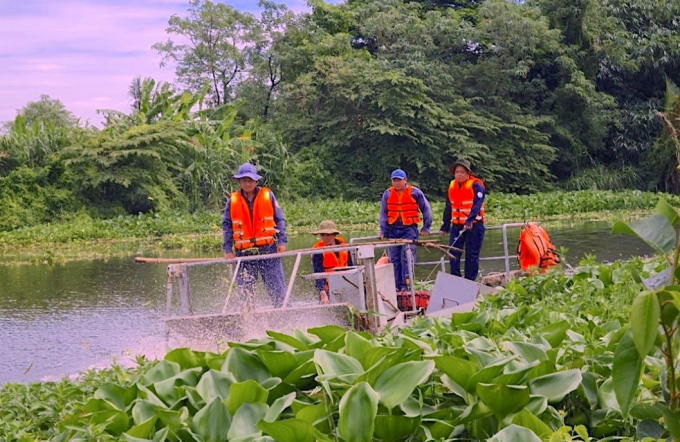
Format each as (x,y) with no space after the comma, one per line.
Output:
(211,41)
(265,55)
(46,112)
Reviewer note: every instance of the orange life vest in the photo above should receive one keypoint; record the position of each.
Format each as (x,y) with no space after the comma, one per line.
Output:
(461,198)
(331,260)
(402,205)
(252,231)
(535,248)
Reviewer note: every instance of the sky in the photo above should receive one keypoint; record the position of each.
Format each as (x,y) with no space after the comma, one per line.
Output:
(86,52)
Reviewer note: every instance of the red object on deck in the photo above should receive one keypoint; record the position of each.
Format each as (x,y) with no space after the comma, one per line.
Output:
(535,249)
(404,300)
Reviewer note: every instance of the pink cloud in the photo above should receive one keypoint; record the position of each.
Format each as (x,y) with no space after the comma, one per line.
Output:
(85,53)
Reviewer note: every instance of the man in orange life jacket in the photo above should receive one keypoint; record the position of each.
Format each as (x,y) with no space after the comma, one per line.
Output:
(464,218)
(399,220)
(253,224)
(328,261)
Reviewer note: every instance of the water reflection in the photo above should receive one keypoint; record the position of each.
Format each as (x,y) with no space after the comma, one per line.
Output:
(59,320)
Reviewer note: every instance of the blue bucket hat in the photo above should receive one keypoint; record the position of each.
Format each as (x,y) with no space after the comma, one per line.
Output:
(247,170)
(398,174)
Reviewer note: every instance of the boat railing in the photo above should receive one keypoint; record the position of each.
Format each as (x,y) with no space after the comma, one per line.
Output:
(364,252)
(442,262)
(181,272)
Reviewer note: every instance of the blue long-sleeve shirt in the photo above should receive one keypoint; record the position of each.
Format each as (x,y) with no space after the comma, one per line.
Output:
(227,225)
(317,265)
(480,194)
(423,205)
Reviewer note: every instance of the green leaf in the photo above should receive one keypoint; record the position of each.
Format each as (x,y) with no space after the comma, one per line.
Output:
(389,359)
(504,399)
(645,321)
(115,421)
(358,409)
(116,395)
(214,384)
(186,358)
(672,421)
(246,419)
(289,430)
(212,422)
(279,363)
(530,352)
(337,365)
(312,413)
(556,385)
(278,406)
(665,209)
(488,373)
(142,430)
(460,370)
(656,231)
(170,391)
(395,428)
(160,372)
(142,411)
(527,419)
(514,433)
(396,383)
(244,365)
(357,346)
(328,333)
(242,392)
(288,340)
(626,372)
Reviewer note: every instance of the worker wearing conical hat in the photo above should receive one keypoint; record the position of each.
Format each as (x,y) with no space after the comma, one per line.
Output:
(328,261)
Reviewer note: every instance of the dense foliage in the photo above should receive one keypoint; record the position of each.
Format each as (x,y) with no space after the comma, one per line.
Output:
(540,95)
(80,235)
(540,361)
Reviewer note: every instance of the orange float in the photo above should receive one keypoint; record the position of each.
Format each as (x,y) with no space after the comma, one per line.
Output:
(535,248)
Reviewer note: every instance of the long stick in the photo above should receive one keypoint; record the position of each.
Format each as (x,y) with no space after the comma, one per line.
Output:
(170,260)
(231,287)
(430,243)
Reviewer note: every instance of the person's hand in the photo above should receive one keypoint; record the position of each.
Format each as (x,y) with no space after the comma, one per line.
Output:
(443,233)
(424,233)
(281,248)
(382,236)
(229,255)
(467,227)
(324,297)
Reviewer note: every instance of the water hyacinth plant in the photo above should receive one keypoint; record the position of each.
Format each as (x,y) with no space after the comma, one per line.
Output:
(537,362)
(554,357)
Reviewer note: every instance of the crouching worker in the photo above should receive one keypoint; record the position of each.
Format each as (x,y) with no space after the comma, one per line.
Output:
(253,224)
(328,261)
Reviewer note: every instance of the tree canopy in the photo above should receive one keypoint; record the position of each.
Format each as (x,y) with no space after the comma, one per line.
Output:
(539,95)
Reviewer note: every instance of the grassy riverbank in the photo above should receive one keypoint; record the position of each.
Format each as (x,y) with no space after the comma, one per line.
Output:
(82,237)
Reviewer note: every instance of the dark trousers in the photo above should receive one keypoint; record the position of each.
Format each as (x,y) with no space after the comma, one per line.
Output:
(471,242)
(271,271)
(397,254)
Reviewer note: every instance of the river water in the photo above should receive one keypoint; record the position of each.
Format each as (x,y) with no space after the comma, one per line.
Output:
(59,320)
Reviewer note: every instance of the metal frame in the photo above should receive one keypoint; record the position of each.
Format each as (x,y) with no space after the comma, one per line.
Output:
(181,271)
(506,257)
(367,258)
